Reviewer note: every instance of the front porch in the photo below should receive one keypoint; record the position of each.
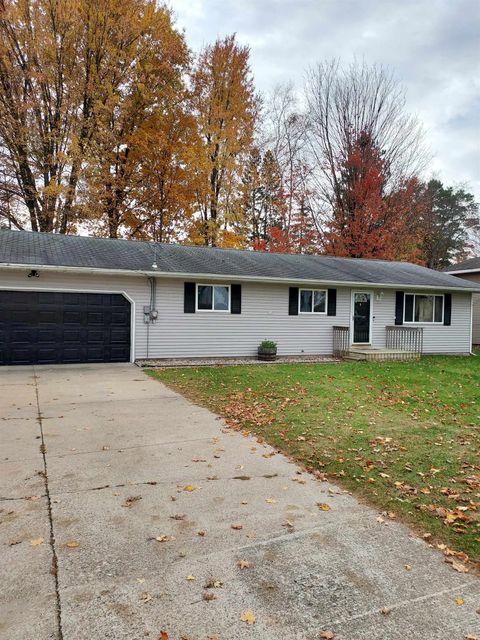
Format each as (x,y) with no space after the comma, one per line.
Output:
(401,343)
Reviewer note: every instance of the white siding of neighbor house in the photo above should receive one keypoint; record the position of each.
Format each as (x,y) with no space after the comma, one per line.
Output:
(475,277)
(264,316)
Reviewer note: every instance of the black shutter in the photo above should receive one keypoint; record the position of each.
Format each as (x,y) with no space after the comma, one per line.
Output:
(236,298)
(332,302)
(399,295)
(189,298)
(293,301)
(447,311)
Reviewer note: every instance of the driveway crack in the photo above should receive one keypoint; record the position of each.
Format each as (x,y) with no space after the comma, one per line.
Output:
(54,569)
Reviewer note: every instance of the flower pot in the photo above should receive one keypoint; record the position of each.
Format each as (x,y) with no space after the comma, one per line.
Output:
(268,354)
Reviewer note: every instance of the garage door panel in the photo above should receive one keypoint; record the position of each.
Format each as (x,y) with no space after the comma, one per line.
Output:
(63,327)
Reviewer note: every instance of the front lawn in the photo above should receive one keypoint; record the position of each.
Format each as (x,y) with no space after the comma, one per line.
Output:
(404,436)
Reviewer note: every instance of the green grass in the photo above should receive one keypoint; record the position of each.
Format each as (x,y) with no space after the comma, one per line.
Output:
(404,436)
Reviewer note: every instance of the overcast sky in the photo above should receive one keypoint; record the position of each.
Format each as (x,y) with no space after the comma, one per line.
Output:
(433,47)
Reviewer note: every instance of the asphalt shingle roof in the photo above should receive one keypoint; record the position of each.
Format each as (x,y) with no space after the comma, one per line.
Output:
(468,265)
(29,248)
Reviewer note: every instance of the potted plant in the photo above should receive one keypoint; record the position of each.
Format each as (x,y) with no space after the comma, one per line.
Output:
(267,350)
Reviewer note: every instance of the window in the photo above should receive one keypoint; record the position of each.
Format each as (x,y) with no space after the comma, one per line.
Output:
(213,297)
(313,301)
(423,308)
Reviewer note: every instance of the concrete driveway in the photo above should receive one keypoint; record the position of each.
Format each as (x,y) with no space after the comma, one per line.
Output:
(118,498)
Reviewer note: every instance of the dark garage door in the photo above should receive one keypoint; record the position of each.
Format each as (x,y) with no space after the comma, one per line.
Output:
(46,327)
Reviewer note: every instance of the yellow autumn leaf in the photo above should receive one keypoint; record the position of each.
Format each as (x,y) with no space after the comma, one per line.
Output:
(189,487)
(323,506)
(164,538)
(459,601)
(36,541)
(270,500)
(248,617)
(72,544)
(243,564)
(190,578)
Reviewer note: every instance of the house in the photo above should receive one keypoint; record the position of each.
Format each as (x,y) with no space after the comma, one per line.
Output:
(66,299)
(470,270)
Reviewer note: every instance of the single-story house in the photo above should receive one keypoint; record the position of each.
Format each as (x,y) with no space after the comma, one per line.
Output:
(470,270)
(66,299)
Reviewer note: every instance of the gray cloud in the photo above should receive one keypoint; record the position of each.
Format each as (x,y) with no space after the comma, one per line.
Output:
(432,46)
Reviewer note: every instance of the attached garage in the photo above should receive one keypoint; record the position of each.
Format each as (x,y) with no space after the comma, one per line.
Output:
(51,327)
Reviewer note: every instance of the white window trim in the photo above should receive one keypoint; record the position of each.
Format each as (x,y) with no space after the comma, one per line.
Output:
(426,323)
(212,310)
(312,312)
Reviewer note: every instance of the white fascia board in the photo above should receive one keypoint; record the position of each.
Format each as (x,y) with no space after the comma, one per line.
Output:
(454,273)
(230,278)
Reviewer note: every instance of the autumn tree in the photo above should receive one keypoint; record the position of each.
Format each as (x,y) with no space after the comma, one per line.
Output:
(370,221)
(450,224)
(344,103)
(225,107)
(78,79)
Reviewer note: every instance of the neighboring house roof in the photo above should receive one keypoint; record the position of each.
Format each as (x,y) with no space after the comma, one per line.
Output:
(128,256)
(468,266)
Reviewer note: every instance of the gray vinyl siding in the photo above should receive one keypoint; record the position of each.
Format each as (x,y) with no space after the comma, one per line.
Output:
(437,338)
(475,277)
(264,316)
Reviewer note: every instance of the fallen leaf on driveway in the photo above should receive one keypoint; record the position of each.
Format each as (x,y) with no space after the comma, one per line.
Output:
(236,526)
(458,566)
(190,578)
(248,617)
(243,564)
(386,611)
(131,500)
(470,636)
(36,541)
(164,538)
(459,601)
(327,635)
(189,487)
(146,596)
(288,523)
(208,596)
(213,583)
(163,635)
(270,500)
(323,506)
(72,544)
(201,533)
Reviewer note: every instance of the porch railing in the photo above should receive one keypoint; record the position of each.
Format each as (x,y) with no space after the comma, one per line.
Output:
(405,338)
(341,341)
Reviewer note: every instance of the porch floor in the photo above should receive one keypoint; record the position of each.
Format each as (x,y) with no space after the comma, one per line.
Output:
(369,353)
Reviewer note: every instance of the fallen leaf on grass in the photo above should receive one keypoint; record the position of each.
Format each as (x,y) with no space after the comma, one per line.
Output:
(327,635)
(243,564)
(36,541)
(323,506)
(248,617)
(237,526)
(72,544)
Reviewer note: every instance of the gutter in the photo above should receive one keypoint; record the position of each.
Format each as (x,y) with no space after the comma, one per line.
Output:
(241,278)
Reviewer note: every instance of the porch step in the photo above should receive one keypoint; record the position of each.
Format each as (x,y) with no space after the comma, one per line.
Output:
(380,354)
